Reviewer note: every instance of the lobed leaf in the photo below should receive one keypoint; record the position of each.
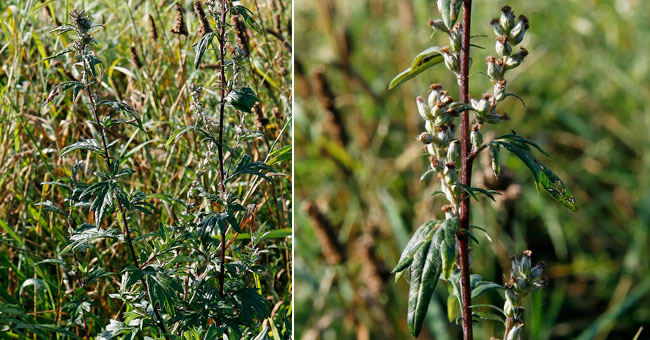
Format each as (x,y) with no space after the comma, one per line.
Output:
(243,99)
(60,88)
(201,46)
(544,177)
(247,15)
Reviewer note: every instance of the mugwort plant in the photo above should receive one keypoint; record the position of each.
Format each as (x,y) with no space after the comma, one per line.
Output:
(440,249)
(179,283)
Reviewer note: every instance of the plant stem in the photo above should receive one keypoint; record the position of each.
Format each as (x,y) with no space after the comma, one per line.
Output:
(466,177)
(222,48)
(127,235)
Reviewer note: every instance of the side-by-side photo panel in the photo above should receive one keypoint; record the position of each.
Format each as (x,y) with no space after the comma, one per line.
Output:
(146,182)
(471,169)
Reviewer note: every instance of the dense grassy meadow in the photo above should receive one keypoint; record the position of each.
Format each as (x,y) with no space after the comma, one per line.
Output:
(585,84)
(47,290)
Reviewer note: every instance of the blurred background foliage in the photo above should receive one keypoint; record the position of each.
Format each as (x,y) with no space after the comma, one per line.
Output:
(157,86)
(586,84)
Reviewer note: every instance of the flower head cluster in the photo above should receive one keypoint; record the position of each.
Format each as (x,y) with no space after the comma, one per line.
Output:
(81,21)
(438,112)
(509,32)
(524,278)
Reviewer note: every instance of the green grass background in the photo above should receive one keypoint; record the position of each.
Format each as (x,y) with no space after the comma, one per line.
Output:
(586,85)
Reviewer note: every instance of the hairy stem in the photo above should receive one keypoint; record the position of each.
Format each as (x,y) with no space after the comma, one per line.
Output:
(222,104)
(466,177)
(127,235)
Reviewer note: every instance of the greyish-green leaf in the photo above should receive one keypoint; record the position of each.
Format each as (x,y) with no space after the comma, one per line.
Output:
(423,234)
(425,272)
(88,144)
(201,46)
(424,60)
(247,15)
(544,177)
(242,98)
(60,88)
(448,246)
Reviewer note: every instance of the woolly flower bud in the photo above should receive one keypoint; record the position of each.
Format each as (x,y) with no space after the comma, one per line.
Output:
(496,26)
(536,272)
(438,25)
(507,19)
(480,106)
(455,38)
(514,332)
(451,59)
(503,46)
(517,33)
(423,109)
(453,151)
(430,127)
(494,68)
(516,59)
(431,150)
(425,138)
(476,138)
(442,137)
(525,262)
(434,96)
(500,90)
(449,211)
(450,174)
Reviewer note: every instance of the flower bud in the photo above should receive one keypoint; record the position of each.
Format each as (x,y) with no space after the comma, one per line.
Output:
(503,46)
(494,158)
(508,309)
(438,25)
(476,138)
(536,272)
(453,152)
(449,211)
(456,38)
(479,105)
(494,68)
(517,33)
(450,173)
(431,150)
(516,271)
(442,138)
(520,286)
(496,26)
(516,59)
(451,59)
(507,19)
(434,96)
(430,127)
(514,332)
(525,262)
(500,90)
(425,138)
(423,108)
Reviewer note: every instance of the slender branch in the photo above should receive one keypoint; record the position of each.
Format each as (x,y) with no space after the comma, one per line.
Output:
(222,48)
(466,177)
(127,235)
